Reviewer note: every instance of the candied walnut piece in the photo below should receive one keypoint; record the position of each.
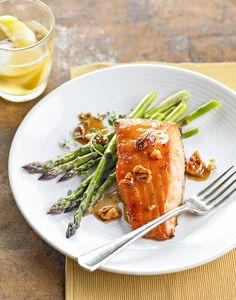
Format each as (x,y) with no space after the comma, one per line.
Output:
(110,212)
(83,117)
(195,167)
(156,154)
(99,138)
(145,139)
(142,174)
(128,179)
(81,130)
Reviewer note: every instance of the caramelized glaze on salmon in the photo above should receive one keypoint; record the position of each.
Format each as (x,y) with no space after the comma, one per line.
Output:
(150,172)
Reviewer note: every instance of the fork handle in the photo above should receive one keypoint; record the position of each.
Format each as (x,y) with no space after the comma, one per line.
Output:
(94,259)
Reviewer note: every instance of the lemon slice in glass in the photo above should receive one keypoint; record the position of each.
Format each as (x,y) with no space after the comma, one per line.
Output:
(17,32)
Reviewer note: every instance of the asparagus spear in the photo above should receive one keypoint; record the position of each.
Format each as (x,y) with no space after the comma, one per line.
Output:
(189,133)
(101,190)
(74,204)
(80,169)
(180,109)
(199,112)
(79,161)
(168,102)
(162,115)
(66,202)
(104,162)
(40,167)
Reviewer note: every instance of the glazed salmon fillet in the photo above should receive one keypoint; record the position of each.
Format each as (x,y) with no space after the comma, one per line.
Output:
(150,172)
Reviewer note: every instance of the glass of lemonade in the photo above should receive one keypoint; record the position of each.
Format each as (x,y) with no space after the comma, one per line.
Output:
(26,48)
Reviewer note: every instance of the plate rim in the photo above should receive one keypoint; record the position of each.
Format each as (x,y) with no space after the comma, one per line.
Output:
(47,98)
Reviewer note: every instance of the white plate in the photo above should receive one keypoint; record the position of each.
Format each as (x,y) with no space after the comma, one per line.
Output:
(198,239)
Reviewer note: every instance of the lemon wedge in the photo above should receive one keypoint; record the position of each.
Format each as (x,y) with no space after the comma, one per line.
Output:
(18,33)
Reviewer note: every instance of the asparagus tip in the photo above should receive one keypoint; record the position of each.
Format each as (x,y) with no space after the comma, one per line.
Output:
(42,177)
(55,209)
(34,167)
(47,176)
(71,230)
(189,133)
(68,209)
(215,102)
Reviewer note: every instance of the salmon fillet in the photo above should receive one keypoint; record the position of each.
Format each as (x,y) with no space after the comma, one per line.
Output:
(150,172)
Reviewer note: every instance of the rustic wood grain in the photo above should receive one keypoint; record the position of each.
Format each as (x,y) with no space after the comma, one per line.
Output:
(91,31)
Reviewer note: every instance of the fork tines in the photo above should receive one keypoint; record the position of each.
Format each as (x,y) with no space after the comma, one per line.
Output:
(220,189)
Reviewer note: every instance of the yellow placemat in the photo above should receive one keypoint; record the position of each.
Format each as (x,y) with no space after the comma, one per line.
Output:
(216,280)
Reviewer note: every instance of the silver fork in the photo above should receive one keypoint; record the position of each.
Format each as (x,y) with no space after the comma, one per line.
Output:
(200,204)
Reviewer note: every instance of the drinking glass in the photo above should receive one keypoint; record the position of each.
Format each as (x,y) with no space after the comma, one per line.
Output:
(24,71)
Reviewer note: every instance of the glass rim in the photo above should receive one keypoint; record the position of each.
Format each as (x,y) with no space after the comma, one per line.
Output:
(50,32)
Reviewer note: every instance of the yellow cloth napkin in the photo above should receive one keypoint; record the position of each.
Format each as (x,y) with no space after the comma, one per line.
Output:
(216,280)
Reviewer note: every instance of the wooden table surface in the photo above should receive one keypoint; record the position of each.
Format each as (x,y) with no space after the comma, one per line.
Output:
(89,31)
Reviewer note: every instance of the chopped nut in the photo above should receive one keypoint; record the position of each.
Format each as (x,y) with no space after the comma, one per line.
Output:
(195,167)
(80,129)
(128,179)
(109,213)
(142,174)
(144,140)
(151,207)
(156,154)
(86,116)
(99,138)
